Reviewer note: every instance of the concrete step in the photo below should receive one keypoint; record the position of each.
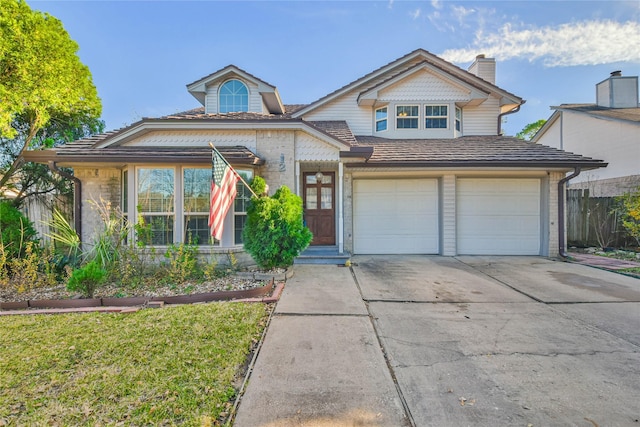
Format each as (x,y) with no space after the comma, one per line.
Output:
(322,255)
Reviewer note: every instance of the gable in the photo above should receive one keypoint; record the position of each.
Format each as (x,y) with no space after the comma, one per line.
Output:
(263,97)
(423,86)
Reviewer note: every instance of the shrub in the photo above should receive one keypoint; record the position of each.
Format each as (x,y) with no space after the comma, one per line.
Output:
(16,231)
(86,279)
(274,233)
(630,210)
(182,263)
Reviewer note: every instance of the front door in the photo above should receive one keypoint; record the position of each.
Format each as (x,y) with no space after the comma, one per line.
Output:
(319,206)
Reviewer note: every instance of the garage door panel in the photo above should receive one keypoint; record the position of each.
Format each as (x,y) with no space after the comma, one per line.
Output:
(498,216)
(396,216)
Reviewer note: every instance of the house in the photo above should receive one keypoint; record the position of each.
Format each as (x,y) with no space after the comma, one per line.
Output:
(608,130)
(408,159)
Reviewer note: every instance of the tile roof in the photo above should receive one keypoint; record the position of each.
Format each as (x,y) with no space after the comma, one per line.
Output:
(198,113)
(469,151)
(626,114)
(336,128)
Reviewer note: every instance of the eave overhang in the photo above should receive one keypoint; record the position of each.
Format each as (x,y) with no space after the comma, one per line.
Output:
(464,164)
(236,156)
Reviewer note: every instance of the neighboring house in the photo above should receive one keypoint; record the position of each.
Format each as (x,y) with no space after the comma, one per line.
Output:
(407,159)
(608,130)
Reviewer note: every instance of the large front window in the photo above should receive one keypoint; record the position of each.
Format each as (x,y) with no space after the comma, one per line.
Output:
(196,189)
(435,116)
(407,117)
(240,205)
(156,204)
(234,97)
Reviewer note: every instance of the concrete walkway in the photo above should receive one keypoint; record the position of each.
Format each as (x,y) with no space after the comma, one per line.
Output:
(321,362)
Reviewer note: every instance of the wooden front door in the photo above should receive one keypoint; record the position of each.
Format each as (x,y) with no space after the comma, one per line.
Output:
(319,207)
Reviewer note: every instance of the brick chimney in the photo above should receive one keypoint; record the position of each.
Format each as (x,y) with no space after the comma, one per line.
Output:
(485,68)
(617,91)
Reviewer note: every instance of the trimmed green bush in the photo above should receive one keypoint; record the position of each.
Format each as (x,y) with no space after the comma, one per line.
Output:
(16,231)
(274,233)
(87,278)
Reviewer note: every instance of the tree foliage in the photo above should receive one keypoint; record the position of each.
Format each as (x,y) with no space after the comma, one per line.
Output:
(530,130)
(47,93)
(16,231)
(274,233)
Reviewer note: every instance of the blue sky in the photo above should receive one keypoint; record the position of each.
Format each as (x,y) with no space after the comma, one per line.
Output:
(142,54)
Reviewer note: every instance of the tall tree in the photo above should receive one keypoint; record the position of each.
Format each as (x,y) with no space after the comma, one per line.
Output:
(530,130)
(43,83)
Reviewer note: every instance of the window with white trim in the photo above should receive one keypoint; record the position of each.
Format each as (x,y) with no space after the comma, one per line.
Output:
(407,116)
(435,116)
(196,189)
(458,119)
(240,205)
(381,119)
(155,188)
(234,97)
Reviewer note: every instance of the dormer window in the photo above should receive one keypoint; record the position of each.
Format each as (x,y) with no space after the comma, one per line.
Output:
(407,117)
(381,119)
(435,116)
(234,97)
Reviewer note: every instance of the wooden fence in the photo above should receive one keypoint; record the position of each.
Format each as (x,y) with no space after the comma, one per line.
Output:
(593,221)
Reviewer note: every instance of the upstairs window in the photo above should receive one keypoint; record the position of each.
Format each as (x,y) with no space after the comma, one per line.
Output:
(435,116)
(407,117)
(458,119)
(234,97)
(381,119)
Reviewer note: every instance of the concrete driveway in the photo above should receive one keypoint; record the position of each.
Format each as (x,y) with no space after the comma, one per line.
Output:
(507,340)
(439,341)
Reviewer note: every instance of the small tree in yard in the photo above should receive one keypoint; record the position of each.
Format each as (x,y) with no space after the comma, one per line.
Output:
(274,233)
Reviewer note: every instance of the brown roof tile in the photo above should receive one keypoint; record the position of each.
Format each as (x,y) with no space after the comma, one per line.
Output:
(626,114)
(469,151)
(337,128)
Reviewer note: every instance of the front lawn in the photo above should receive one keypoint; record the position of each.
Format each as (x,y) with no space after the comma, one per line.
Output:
(175,365)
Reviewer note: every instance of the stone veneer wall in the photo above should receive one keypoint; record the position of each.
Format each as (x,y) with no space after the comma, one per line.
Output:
(99,187)
(277,148)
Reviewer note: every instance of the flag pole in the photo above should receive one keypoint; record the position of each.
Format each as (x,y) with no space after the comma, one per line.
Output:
(234,171)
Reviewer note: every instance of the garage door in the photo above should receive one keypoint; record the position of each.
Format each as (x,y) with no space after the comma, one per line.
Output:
(395,216)
(498,216)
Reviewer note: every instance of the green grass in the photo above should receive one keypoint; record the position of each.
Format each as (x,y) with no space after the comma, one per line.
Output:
(633,270)
(176,365)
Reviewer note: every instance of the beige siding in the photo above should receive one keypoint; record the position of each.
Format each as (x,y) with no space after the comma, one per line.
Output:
(615,142)
(449,215)
(196,138)
(482,119)
(552,136)
(310,148)
(360,119)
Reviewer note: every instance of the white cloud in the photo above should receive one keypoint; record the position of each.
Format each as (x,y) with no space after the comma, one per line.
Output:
(579,43)
(436,4)
(461,13)
(416,13)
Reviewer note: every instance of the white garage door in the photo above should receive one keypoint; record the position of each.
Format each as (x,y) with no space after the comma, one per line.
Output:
(498,216)
(395,216)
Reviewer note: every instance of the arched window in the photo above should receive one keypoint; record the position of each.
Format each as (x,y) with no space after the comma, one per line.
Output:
(234,97)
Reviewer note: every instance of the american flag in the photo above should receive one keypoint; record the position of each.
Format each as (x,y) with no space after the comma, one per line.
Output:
(223,192)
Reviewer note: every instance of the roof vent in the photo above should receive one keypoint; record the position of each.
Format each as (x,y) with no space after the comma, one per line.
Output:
(617,73)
